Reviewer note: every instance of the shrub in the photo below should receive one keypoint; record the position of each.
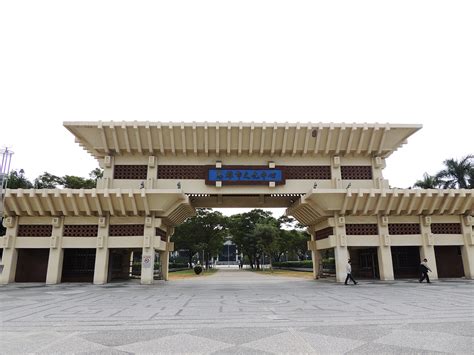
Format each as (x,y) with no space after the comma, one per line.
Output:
(307,264)
(198,269)
(176,265)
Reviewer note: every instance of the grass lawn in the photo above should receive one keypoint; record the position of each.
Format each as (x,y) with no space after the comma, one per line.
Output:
(289,273)
(187,274)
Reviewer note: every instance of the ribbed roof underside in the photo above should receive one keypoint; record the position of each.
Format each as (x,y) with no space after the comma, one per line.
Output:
(172,205)
(274,139)
(320,204)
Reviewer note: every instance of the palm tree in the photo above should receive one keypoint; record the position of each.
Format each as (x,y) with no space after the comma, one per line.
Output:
(457,174)
(428,182)
(471,179)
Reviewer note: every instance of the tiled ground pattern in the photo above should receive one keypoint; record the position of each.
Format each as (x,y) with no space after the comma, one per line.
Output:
(238,312)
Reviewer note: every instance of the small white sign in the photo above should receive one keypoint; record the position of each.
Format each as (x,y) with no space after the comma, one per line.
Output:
(146,264)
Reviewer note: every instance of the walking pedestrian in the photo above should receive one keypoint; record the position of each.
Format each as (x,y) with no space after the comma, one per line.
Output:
(349,273)
(424,271)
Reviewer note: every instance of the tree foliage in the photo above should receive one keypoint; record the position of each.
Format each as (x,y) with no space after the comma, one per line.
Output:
(258,232)
(456,174)
(428,182)
(203,233)
(17,180)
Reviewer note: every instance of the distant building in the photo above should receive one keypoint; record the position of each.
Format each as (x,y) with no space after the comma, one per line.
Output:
(229,254)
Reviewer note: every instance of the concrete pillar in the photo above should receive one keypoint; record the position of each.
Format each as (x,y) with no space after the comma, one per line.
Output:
(165,256)
(336,172)
(317,263)
(101,267)
(10,254)
(427,248)
(315,254)
(384,253)
(467,250)
(341,254)
(165,260)
(148,252)
(151,172)
(108,164)
(56,253)
(378,163)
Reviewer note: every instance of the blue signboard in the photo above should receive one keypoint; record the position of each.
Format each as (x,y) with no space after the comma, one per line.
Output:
(245,176)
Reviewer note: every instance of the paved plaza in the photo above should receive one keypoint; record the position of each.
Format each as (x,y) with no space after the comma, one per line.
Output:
(238,312)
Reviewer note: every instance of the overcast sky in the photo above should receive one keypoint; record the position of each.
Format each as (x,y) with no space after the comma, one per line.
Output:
(285,61)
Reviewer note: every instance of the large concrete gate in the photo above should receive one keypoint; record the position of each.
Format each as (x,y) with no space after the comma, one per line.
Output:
(328,176)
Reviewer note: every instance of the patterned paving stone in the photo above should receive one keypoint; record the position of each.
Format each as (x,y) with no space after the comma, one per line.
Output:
(123,337)
(237,336)
(301,342)
(373,348)
(455,328)
(238,312)
(71,345)
(183,343)
(429,341)
(356,332)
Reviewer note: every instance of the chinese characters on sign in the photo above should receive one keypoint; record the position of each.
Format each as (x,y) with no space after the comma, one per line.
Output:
(246,176)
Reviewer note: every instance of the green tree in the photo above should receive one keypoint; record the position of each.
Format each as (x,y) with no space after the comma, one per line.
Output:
(457,173)
(266,235)
(96,174)
(17,180)
(288,222)
(77,182)
(47,181)
(203,233)
(428,182)
(242,227)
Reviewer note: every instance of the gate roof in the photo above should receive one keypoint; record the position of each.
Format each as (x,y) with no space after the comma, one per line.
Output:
(282,139)
(322,203)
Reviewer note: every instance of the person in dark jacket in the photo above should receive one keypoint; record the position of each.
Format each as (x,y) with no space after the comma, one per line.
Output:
(424,271)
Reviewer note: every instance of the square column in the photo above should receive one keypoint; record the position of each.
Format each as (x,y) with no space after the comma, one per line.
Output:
(165,255)
(384,252)
(336,173)
(427,248)
(165,260)
(151,172)
(341,254)
(315,254)
(148,252)
(101,267)
(10,254)
(467,250)
(56,252)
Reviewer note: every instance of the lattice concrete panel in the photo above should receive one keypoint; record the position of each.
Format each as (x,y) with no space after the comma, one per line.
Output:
(123,230)
(35,230)
(132,172)
(81,230)
(362,229)
(403,228)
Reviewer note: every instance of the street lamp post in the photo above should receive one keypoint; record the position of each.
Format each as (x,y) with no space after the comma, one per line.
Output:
(6,157)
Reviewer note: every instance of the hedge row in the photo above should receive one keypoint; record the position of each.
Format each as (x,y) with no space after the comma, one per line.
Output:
(305,264)
(178,265)
(327,263)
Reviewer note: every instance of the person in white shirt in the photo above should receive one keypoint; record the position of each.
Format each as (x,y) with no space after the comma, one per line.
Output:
(349,273)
